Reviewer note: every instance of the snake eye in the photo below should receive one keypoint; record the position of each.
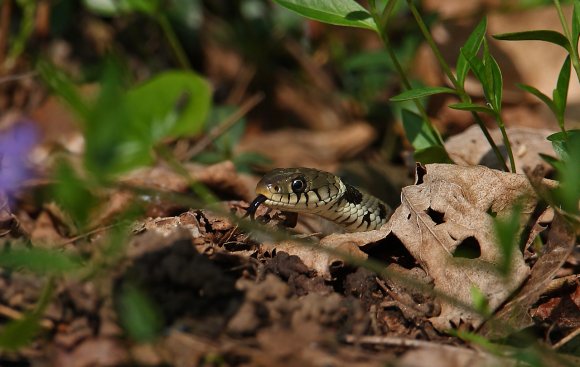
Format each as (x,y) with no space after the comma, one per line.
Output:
(298,185)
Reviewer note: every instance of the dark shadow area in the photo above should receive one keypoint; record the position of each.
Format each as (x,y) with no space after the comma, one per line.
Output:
(469,248)
(391,250)
(181,282)
(435,216)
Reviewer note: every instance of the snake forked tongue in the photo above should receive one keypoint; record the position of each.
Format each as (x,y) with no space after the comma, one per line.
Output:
(251,211)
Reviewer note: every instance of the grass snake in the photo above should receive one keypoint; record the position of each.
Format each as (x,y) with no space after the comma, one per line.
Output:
(308,190)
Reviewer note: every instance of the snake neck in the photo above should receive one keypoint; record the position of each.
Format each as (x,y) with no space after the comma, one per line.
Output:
(355,210)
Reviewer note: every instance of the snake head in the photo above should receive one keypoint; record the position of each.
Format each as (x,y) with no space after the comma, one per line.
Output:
(297,189)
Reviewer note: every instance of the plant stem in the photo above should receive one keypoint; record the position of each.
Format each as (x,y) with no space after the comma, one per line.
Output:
(506,142)
(434,48)
(465,98)
(573,47)
(384,38)
(173,41)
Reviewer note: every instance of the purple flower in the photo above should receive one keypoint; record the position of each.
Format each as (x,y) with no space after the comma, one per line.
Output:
(15,145)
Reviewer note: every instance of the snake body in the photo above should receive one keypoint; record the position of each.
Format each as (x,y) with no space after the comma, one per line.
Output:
(308,190)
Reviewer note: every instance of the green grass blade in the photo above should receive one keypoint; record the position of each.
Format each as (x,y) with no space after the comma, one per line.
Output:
(40,261)
(545,35)
(421,92)
(472,107)
(560,94)
(470,49)
(544,98)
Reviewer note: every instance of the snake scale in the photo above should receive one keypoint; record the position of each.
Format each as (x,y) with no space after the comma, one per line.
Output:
(308,190)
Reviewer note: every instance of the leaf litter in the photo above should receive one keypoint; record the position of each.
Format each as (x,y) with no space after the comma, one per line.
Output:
(227,296)
(211,281)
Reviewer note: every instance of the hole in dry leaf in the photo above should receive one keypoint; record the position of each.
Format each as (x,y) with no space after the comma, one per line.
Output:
(435,216)
(469,248)
(491,212)
(420,171)
(390,250)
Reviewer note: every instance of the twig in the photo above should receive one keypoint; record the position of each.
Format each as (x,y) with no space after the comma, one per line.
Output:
(224,126)
(400,342)
(567,338)
(89,233)
(17,315)
(11,78)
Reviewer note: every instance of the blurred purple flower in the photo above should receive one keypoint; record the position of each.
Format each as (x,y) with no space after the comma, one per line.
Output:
(15,146)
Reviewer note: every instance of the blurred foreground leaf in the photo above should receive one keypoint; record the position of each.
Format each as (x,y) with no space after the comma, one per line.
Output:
(138,314)
(174,103)
(421,92)
(39,260)
(506,231)
(19,333)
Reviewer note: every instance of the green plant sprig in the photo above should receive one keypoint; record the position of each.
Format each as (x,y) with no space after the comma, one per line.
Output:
(459,89)
(381,22)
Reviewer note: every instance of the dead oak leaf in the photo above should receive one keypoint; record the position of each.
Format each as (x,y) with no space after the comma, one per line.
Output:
(447,212)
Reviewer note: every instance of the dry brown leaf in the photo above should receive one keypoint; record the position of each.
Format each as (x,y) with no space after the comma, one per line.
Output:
(93,352)
(515,314)
(470,148)
(321,261)
(447,210)
(446,356)
(221,177)
(320,149)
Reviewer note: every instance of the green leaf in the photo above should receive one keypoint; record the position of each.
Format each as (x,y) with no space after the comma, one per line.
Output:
(421,92)
(569,176)
(539,35)
(19,333)
(424,141)
(567,145)
(434,154)
(560,142)
(475,64)
(507,230)
(470,49)
(472,107)
(492,82)
(344,13)
(554,162)
(138,314)
(544,98)
(497,85)
(39,260)
(116,140)
(173,103)
(560,94)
